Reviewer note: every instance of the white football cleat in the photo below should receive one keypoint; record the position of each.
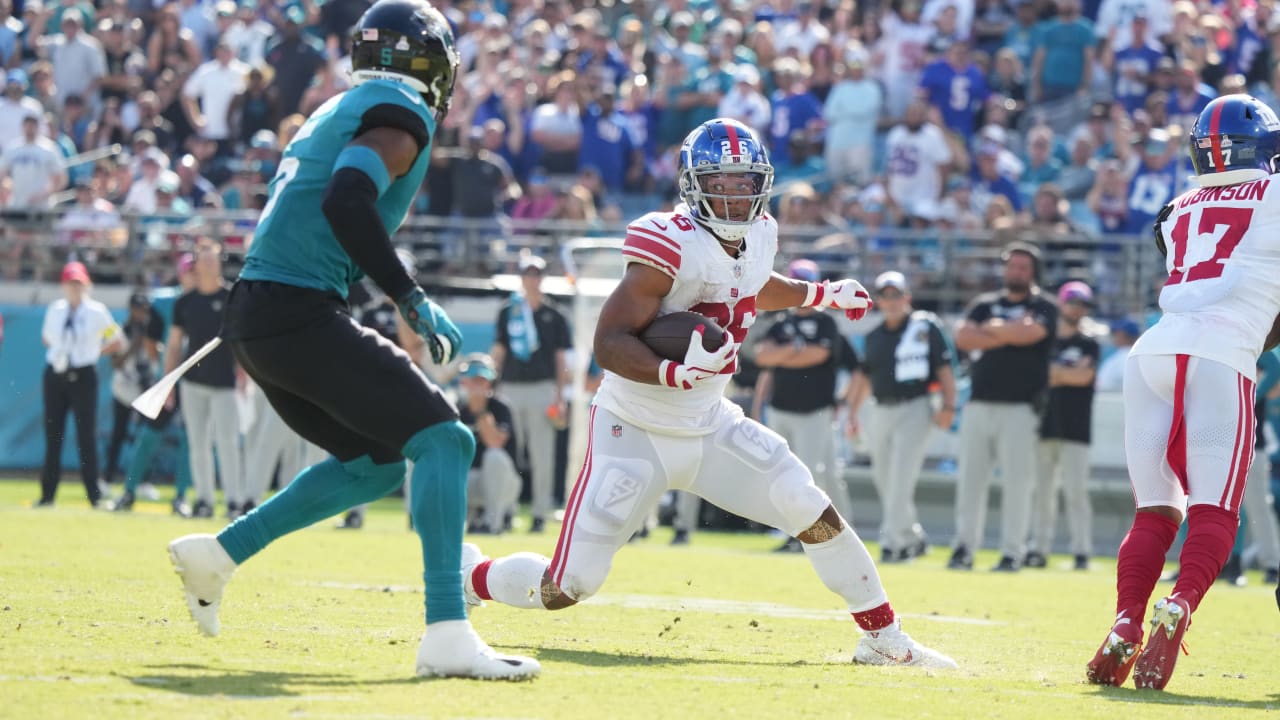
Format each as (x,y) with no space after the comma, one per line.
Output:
(205,568)
(892,646)
(453,649)
(471,557)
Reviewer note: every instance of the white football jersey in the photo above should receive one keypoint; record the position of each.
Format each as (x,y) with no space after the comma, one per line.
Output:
(706,281)
(914,164)
(1223,291)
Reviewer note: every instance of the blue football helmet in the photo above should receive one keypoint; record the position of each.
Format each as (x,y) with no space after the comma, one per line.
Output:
(1235,139)
(724,147)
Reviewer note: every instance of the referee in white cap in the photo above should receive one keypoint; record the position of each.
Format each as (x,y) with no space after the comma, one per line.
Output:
(77,332)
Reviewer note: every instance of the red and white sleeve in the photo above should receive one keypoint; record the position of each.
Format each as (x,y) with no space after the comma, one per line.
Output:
(648,246)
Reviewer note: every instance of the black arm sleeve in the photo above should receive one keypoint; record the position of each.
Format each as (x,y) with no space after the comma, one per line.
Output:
(350,207)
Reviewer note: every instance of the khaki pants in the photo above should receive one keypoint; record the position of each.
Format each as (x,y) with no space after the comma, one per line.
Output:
(1062,464)
(536,437)
(996,435)
(811,437)
(898,436)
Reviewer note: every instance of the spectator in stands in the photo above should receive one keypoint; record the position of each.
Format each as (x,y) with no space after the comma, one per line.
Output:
(170,45)
(851,112)
(75,122)
(1062,63)
(482,180)
(904,355)
(494,485)
(142,193)
(989,182)
(124,62)
(1077,178)
(296,57)
(802,34)
(556,127)
(918,158)
(1117,22)
(744,102)
(679,43)
(1050,212)
(991,22)
(1132,63)
(109,129)
(1020,37)
(78,60)
(77,331)
(955,87)
(704,92)
(1190,95)
(256,108)
(1152,185)
(1108,199)
(33,169)
(91,222)
(208,94)
(532,336)
(641,115)
(10,36)
(902,45)
(1040,165)
(1012,330)
(208,390)
(1007,81)
(538,202)
(195,188)
(15,106)
(793,108)
(150,120)
(329,81)
(42,88)
(607,144)
(249,34)
(1063,451)
(1124,333)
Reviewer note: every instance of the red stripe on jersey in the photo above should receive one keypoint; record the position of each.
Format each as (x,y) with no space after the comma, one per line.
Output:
(649,260)
(1235,449)
(734,147)
(1216,139)
(655,235)
(658,249)
(1250,435)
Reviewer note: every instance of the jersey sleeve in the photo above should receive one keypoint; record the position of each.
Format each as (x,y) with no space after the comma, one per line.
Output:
(649,242)
(400,108)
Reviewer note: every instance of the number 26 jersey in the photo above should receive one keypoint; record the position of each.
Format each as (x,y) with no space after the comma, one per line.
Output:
(1223,291)
(705,280)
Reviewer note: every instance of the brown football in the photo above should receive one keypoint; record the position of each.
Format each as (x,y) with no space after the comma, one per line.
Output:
(668,335)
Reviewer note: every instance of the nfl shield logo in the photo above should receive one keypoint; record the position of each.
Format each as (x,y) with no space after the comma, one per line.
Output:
(737,272)
(617,431)
(733,292)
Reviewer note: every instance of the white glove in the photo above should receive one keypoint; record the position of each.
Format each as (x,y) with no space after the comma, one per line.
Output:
(846,295)
(699,364)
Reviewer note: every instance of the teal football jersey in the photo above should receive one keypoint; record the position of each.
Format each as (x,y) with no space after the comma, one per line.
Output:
(293,243)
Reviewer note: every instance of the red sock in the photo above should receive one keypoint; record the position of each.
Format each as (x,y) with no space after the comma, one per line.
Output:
(480,580)
(1140,562)
(1211,531)
(877,618)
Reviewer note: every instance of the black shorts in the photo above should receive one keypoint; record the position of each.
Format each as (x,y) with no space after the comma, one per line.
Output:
(339,385)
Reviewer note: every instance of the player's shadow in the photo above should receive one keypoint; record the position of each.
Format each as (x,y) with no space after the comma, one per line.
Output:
(595,658)
(1161,697)
(204,680)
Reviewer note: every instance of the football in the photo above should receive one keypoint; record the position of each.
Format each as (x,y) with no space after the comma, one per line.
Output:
(668,335)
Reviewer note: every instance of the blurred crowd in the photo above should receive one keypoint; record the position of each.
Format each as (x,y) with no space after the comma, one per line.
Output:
(1063,116)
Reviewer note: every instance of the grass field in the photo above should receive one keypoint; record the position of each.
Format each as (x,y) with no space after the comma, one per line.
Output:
(325,623)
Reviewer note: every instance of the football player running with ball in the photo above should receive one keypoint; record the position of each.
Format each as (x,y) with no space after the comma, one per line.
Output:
(345,182)
(658,425)
(1189,384)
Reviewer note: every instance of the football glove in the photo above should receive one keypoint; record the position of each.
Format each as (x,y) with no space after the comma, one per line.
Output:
(846,295)
(699,364)
(430,321)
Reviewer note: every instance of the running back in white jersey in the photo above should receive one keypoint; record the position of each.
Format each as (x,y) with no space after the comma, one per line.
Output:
(1223,291)
(706,281)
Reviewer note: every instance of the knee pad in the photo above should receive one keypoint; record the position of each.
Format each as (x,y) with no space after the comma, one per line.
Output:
(381,479)
(795,496)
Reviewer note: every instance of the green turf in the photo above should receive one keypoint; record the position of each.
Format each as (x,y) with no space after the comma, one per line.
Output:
(325,623)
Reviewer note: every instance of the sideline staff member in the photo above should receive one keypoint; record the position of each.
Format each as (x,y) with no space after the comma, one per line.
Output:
(1012,331)
(77,331)
(905,354)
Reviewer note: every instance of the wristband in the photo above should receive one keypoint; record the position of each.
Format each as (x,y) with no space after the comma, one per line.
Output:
(816,294)
(667,373)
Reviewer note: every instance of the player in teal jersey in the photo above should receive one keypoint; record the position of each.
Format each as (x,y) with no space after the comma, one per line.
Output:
(346,180)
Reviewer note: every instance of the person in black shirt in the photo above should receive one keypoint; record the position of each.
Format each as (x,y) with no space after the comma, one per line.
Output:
(532,336)
(1011,332)
(800,357)
(905,356)
(494,485)
(134,371)
(208,390)
(1064,433)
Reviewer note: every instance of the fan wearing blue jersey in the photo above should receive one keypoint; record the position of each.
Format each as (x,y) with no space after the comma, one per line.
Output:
(345,182)
(956,87)
(1152,185)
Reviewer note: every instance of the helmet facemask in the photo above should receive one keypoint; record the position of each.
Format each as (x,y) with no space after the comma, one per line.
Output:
(726,198)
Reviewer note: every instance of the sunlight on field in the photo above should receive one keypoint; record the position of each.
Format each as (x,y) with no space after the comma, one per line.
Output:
(325,623)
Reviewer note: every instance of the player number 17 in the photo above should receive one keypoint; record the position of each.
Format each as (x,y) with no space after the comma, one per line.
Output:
(1224,227)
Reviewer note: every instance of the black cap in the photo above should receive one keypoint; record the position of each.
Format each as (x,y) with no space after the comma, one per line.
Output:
(139,300)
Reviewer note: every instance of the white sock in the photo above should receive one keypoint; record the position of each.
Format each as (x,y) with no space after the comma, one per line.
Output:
(515,580)
(845,566)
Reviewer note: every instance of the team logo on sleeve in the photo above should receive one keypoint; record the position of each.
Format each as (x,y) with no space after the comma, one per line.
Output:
(616,430)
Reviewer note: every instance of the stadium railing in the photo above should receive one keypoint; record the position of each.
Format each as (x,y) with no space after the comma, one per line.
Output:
(945,268)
